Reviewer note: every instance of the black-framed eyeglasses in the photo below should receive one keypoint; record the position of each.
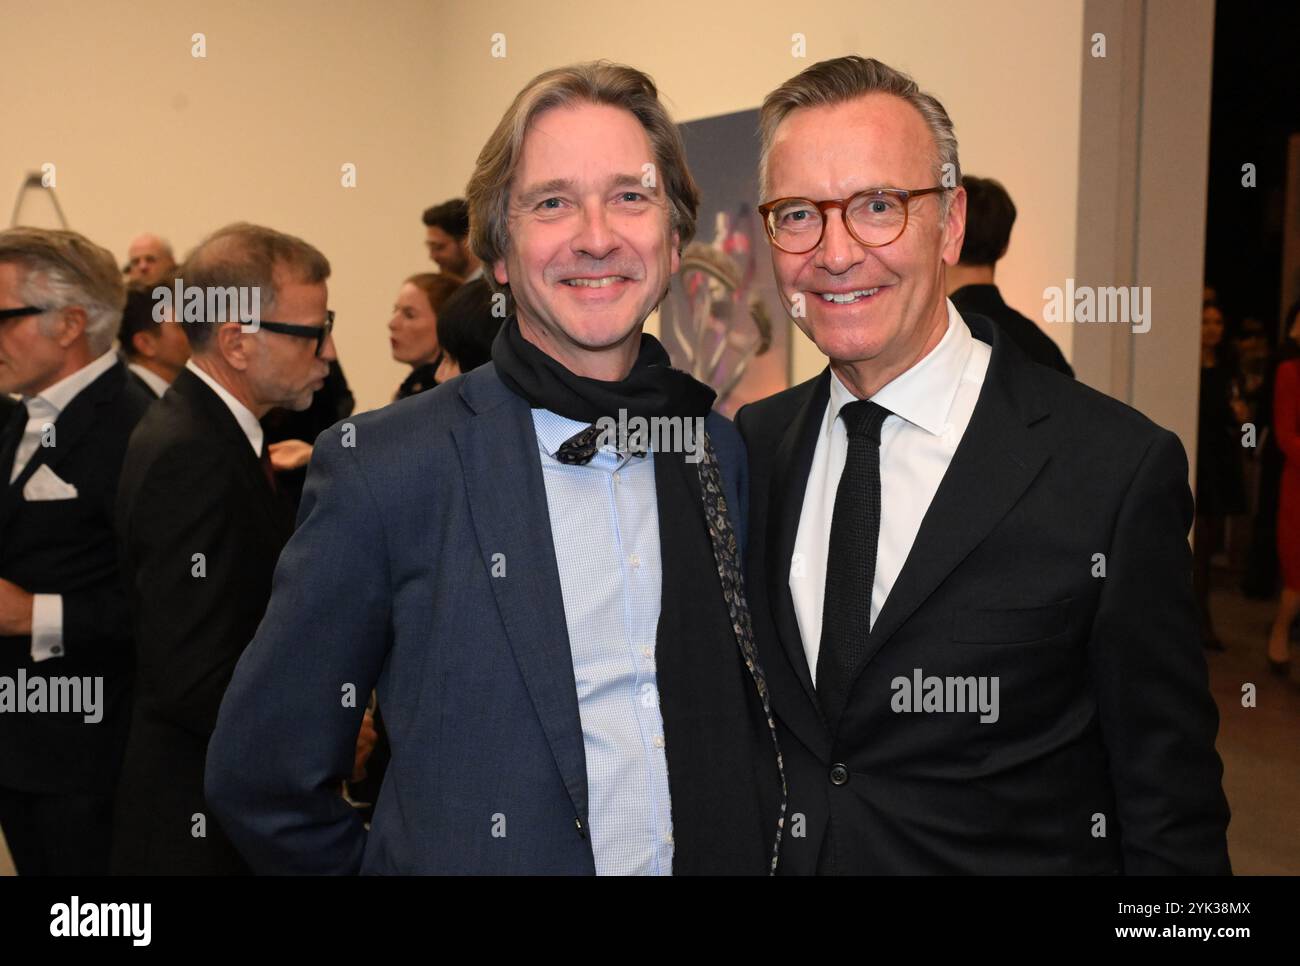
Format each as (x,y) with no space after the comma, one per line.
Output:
(318,332)
(20,312)
(875,217)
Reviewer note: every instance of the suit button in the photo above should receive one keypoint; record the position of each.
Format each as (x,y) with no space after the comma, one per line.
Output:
(839,775)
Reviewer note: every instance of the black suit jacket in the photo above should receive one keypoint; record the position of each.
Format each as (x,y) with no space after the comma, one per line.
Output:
(67,547)
(986,300)
(1104,702)
(191,485)
(134,377)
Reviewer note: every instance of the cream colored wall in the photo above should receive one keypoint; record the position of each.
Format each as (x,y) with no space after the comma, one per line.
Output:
(145,136)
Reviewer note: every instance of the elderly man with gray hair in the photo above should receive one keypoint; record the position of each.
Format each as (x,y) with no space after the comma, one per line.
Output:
(969,573)
(65,640)
(149,261)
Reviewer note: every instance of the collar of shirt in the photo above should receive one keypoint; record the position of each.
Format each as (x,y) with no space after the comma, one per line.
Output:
(151,379)
(923,394)
(553,430)
(243,415)
(52,401)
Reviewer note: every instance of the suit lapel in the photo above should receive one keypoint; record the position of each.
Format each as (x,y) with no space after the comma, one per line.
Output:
(997,459)
(514,521)
(211,410)
(791,467)
(69,427)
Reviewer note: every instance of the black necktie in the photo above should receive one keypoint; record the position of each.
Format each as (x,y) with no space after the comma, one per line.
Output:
(10,436)
(851,559)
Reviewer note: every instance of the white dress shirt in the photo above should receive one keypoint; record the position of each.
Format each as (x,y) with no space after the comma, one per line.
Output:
(243,415)
(151,379)
(932,405)
(44,410)
(605,528)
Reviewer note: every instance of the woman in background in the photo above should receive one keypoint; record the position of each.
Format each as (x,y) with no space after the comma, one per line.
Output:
(413,329)
(1220,488)
(466,328)
(1286,427)
(1262,568)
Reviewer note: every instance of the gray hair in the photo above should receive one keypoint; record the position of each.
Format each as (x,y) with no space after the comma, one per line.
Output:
(63,269)
(848,78)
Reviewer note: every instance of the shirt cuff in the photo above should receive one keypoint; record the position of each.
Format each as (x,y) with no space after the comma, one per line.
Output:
(47,626)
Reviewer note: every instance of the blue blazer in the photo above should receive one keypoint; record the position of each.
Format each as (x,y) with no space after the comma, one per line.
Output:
(389,583)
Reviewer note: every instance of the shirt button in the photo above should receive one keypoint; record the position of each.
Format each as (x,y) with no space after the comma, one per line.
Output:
(56,650)
(617,481)
(658,741)
(839,775)
(635,561)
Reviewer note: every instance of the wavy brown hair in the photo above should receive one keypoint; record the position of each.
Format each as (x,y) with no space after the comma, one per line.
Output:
(597,82)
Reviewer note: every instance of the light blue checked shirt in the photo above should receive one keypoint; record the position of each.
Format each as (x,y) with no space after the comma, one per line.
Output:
(605,526)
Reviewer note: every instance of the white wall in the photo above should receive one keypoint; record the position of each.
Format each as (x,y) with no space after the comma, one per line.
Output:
(145,136)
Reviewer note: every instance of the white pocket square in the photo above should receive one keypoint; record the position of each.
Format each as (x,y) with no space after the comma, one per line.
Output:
(45,484)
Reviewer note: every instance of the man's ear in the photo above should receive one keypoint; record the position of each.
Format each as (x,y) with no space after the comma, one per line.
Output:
(235,345)
(145,343)
(675,260)
(499,272)
(954,227)
(74,321)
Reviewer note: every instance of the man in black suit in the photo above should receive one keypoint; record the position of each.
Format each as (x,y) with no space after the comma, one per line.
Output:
(201,528)
(990,214)
(155,350)
(970,575)
(64,624)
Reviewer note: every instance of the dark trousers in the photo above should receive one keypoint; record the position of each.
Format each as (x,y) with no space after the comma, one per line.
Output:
(57,834)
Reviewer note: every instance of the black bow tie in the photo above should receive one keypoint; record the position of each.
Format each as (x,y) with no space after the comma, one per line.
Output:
(580,448)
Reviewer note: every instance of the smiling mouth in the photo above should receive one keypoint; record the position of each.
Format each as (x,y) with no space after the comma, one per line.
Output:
(848,298)
(602,282)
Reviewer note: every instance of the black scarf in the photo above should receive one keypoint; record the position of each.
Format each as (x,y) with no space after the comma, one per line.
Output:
(724,774)
(652,388)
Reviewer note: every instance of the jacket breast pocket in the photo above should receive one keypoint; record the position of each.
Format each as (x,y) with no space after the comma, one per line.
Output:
(1011,625)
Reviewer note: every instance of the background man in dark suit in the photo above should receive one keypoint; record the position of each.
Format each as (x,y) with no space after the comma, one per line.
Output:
(446,230)
(63,613)
(201,528)
(970,575)
(553,620)
(155,352)
(990,215)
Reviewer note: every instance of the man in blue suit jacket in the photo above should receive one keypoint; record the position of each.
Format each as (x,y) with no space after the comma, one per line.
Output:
(551,612)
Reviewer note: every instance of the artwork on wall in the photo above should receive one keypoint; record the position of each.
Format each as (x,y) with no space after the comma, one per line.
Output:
(723,320)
